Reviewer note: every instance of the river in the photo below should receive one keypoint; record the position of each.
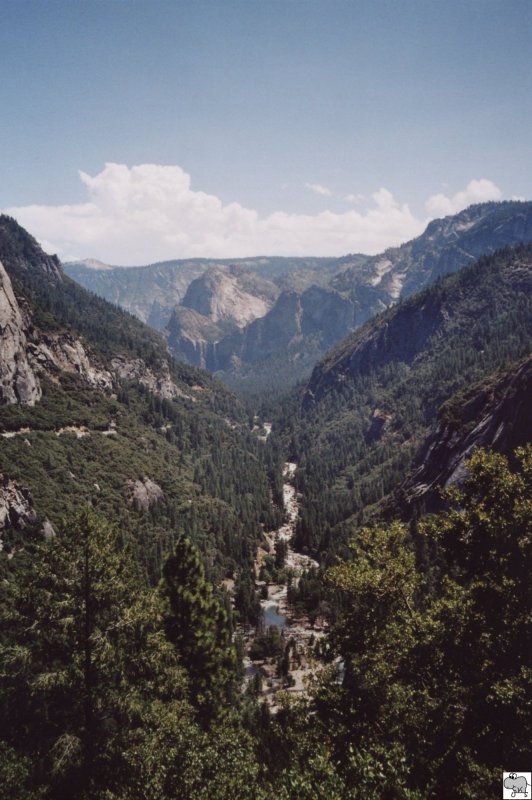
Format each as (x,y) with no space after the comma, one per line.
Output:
(275,608)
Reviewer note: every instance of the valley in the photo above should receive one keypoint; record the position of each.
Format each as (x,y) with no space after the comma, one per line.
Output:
(254,321)
(298,636)
(240,592)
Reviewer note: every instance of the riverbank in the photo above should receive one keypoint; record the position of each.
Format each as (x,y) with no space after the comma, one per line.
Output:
(298,635)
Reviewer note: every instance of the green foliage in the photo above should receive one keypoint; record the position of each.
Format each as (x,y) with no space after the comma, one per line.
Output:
(358,440)
(439,675)
(247,603)
(269,644)
(82,654)
(215,475)
(94,696)
(223,515)
(196,624)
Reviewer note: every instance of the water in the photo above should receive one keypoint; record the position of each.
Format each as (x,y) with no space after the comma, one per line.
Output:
(272,616)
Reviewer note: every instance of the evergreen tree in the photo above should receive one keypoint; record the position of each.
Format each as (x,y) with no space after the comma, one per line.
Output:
(196,624)
(437,672)
(80,658)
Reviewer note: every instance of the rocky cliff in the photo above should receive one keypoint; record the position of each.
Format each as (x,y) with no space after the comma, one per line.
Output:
(409,331)
(16,508)
(149,292)
(303,324)
(94,409)
(494,415)
(153,291)
(215,305)
(445,246)
(18,380)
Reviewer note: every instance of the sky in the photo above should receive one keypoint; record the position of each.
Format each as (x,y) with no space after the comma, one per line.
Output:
(134,131)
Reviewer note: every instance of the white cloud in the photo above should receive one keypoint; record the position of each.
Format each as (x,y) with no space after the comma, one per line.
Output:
(147,213)
(476,191)
(356,199)
(319,189)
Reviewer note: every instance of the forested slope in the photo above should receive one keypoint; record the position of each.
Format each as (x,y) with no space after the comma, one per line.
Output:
(154,444)
(371,401)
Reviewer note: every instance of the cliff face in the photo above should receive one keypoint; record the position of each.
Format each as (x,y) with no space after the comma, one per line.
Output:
(218,314)
(318,314)
(216,305)
(407,332)
(94,409)
(150,293)
(445,246)
(153,291)
(310,321)
(18,380)
(495,416)
(16,507)
(33,347)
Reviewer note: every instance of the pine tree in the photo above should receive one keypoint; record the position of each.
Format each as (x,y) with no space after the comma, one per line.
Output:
(83,659)
(196,624)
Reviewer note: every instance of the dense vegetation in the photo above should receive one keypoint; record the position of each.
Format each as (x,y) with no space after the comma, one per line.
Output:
(371,402)
(120,670)
(217,478)
(114,689)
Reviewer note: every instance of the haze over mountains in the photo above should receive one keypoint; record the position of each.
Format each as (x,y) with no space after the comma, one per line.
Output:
(94,409)
(220,316)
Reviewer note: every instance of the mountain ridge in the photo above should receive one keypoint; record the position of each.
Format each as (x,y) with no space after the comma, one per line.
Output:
(114,421)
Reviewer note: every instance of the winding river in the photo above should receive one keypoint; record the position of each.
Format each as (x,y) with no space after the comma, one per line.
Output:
(275,608)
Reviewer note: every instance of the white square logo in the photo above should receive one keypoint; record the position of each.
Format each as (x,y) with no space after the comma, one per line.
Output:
(516,785)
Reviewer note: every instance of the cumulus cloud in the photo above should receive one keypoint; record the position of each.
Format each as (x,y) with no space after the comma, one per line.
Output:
(319,189)
(356,199)
(476,191)
(147,213)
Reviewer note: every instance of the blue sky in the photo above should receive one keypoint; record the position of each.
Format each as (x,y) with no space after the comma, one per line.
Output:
(286,126)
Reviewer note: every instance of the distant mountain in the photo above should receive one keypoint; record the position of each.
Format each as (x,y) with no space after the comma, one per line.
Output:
(374,398)
(303,324)
(216,304)
(152,292)
(316,302)
(94,409)
(445,246)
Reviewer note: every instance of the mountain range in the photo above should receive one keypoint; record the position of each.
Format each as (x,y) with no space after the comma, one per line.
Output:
(141,500)
(94,408)
(301,307)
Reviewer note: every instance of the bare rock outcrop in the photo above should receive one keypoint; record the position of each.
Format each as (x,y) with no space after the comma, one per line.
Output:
(64,353)
(16,506)
(495,416)
(144,494)
(18,381)
(160,384)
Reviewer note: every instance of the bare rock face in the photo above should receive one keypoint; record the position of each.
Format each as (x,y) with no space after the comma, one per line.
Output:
(144,494)
(22,361)
(64,353)
(135,369)
(445,246)
(234,297)
(16,506)
(496,417)
(18,381)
